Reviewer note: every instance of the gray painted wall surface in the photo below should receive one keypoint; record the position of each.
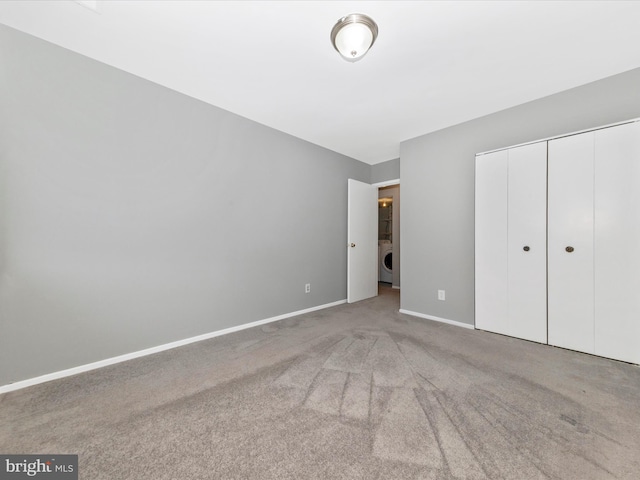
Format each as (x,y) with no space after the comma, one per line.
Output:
(389,170)
(438,169)
(133,216)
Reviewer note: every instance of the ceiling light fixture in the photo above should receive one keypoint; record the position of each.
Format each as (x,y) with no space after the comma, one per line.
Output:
(353,35)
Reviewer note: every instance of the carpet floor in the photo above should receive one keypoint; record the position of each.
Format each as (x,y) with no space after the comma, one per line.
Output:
(357,391)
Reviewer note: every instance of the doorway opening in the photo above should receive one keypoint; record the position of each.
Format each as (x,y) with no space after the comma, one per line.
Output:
(389,235)
(363,258)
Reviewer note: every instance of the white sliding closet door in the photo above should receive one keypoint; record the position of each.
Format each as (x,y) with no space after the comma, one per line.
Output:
(491,242)
(527,242)
(570,242)
(617,242)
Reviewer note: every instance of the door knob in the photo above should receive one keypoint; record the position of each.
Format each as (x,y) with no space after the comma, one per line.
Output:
(526,248)
(353,245)
(569,249)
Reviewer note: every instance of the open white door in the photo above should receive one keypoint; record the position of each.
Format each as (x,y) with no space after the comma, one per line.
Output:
(362,241)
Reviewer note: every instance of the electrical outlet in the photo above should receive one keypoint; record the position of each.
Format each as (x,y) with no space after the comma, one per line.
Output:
(441,295)
(307,288)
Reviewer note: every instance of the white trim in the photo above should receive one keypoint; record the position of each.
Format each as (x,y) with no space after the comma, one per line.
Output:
(386,183)
(397,288)
(437,319)
(149,351)
(593,129)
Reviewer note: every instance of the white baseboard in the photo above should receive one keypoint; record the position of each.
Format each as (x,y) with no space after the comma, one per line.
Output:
(149,351)
(397,288)
(437,319)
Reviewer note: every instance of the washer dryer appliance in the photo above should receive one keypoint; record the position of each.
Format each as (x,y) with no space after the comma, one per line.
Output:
(386,264)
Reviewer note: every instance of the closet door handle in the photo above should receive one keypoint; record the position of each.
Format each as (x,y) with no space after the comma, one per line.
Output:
(569,249)
(526,248)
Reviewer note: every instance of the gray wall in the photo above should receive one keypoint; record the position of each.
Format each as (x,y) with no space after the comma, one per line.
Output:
(132,215)
(389,170)
(437,211)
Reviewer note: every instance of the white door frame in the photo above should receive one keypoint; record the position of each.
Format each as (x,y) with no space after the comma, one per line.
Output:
(396,245)
(386,183)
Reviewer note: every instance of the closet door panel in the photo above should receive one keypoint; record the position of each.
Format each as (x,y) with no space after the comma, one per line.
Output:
(570,242)
(491,242)
(527,242)
(617,242)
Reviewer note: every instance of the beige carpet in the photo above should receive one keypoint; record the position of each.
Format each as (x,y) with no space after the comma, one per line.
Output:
(356,391)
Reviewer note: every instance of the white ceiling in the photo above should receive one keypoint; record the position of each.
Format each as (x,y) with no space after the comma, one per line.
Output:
(435,64)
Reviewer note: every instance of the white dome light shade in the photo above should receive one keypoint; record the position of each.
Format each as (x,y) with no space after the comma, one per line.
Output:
(353,36)
(353,40)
